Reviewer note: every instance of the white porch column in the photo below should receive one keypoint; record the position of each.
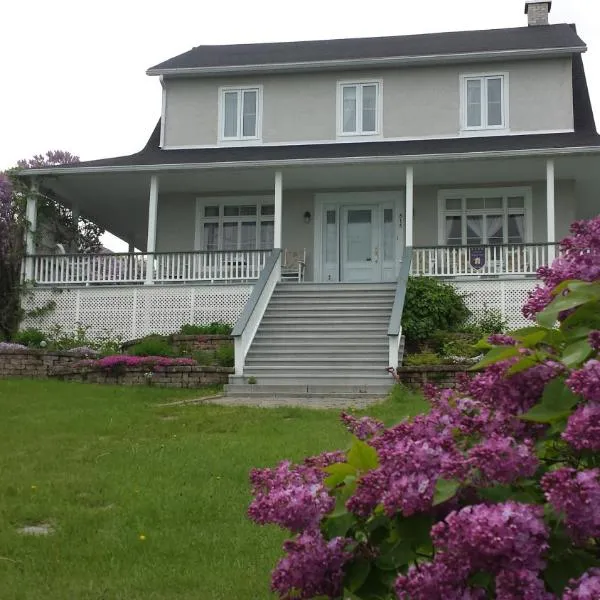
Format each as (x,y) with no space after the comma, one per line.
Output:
(151,243)
(278,209)
(550,209)
(130,247)
(31,216)
(408,217)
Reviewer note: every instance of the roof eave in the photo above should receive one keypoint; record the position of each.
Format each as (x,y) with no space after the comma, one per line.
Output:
(369,62)
(407,158)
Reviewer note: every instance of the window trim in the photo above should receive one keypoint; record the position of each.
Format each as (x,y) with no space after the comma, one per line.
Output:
(484,128)
(378,83)
(221,202)
(240,139)
(504,192)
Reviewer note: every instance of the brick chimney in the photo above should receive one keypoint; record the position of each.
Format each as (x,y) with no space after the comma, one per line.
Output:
(537,13)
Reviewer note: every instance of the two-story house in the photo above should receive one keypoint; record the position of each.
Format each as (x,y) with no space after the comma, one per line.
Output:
(345,163)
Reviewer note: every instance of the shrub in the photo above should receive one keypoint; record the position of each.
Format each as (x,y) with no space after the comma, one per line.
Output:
(204,357)
(491,322)
(212,329)
(225,355)
(152,346)
(430,306)
(30,337)
(422,359)
(492,494)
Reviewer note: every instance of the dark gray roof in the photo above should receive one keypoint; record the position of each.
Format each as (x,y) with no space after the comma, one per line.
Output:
(551,37)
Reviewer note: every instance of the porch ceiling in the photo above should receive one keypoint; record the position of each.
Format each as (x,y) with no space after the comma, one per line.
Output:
(119,201)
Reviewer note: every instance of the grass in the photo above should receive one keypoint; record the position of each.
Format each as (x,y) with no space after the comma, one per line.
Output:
(106,465)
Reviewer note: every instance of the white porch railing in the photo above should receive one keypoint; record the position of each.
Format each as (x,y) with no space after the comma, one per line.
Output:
(464,261)
(171,267)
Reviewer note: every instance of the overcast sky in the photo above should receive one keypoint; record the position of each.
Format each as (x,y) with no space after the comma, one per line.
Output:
(73,72)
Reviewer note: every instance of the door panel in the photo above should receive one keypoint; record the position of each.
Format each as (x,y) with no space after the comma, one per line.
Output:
(360,244)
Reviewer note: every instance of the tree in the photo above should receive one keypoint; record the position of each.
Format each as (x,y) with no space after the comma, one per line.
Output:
(494,493)
(57,220)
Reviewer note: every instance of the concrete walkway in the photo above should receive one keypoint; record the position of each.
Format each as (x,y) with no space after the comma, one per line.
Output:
(314,402)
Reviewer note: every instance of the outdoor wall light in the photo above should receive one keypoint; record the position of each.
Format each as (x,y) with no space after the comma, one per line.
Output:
(307,217)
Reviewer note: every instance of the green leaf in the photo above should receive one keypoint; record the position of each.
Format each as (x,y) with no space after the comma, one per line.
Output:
(362,456)
(395,556)
(356,574)
(498,493)
(495,355)
(339,525)
(576,353)
(522,365)
(533,339)
(337,473)
(415,529)
(519,334)
(556,403)
(444,490)
(549,316)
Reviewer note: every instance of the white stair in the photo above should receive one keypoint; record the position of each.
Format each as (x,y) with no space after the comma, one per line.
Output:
(320,339)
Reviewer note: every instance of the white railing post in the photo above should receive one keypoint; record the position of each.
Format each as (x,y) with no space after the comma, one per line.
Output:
(408,218)
(550,209)
(152,214)
(31,216)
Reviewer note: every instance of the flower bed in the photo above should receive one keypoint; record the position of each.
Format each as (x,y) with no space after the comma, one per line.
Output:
(191,343)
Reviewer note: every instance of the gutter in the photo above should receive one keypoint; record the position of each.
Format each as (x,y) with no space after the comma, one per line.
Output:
(396,159)
(357,63)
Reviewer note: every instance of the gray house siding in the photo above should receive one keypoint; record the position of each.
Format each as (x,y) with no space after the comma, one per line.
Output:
(417,102)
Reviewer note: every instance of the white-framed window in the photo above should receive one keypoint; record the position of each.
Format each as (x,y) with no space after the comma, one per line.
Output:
(359,108)
(235,224)
(240,113)
(484,216)
(484,102)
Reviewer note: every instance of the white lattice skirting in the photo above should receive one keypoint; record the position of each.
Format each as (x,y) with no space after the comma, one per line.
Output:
(134,311)
(505,296)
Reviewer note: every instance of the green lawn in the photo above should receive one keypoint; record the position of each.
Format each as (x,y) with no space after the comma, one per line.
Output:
(106,465)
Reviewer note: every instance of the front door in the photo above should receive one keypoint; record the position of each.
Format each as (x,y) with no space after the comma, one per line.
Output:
(360,244)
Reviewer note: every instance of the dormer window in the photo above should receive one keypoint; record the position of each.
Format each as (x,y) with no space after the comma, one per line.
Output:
(359,108)
(484,101)
(240,113)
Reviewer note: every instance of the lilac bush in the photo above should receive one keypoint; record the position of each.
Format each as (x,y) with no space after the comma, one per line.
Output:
(494,493)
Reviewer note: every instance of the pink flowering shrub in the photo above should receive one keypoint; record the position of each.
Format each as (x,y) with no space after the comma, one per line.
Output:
(493,494)
(120,362)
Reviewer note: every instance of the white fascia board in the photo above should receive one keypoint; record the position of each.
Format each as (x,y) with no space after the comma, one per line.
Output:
(392,159)
(372,62)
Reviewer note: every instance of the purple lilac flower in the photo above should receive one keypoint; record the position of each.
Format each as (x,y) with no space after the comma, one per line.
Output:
(325,459)
(313,567)
(411,462)
(583,428)
(576,495)
(502,460)
(521,585)
(495,538)
(587,587)
(500,339)
(580,260)
(363,428)
(594,340)
(291,496)
(586,381)
(436,581)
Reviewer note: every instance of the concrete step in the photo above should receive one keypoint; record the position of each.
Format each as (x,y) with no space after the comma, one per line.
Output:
(307,391)
(349,299)
(327,311)
(319,351)
(322,383)
(332,288)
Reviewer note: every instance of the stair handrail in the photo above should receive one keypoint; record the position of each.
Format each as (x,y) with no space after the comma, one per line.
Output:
(247,324)
(395,326)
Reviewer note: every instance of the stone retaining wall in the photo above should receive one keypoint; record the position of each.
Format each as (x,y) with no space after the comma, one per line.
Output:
(32,363)
(171,377)
(445,376)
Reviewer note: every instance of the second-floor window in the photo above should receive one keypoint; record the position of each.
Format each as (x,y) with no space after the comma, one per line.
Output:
(359,111)
(240,117)
(484,102)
